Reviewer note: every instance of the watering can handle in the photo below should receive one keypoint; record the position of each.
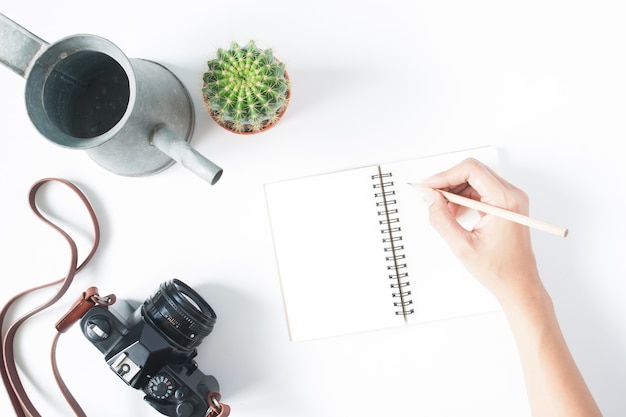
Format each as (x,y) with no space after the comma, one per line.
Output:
(18,46)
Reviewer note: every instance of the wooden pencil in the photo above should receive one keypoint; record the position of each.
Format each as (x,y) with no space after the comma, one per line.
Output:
(503,213)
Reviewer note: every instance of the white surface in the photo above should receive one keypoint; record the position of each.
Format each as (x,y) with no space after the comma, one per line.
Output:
(372,81)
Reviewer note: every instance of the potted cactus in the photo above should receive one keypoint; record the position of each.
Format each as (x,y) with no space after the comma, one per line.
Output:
(246,90)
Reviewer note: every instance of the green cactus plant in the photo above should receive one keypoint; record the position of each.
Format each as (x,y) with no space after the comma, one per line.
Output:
(246,90)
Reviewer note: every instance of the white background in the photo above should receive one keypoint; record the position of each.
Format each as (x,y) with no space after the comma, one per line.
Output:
(544,81)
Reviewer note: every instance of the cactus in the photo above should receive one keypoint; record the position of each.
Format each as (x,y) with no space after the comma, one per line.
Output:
(246,89)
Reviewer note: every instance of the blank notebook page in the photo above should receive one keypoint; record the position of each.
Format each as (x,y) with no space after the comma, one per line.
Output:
(327,241)
(334,267)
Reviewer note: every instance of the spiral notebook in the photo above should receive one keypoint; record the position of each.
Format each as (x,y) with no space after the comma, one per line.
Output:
(356,252)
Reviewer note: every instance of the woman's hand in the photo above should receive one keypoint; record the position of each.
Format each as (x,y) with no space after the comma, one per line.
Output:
(496,251)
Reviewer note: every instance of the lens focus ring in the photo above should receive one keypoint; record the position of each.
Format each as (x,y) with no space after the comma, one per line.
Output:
(180,313)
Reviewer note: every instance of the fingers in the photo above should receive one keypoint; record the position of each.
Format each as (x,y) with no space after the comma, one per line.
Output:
(496,251)
(443,219)
(469,171)
(475,180)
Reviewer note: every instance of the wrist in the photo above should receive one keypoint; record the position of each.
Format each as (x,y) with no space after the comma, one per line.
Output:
(526,293)
(530,301)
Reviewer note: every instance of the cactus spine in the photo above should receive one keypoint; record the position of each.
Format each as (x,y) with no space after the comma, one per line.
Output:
(245,89)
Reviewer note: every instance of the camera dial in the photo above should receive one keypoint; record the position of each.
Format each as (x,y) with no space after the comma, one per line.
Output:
(160,387)
(97,328)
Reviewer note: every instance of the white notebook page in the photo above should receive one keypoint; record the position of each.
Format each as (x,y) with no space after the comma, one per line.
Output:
(327,242)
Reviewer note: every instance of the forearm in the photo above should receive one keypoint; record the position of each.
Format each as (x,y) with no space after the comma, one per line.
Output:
(554,384)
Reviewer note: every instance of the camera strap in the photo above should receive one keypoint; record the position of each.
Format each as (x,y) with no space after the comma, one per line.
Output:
(22,405)
(10,376)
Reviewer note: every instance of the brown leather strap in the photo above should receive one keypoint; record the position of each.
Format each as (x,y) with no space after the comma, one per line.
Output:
(19,398)
(87,300)
(216,407)
(66,392)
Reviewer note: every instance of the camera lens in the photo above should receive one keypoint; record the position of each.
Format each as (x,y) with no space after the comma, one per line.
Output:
(180,313)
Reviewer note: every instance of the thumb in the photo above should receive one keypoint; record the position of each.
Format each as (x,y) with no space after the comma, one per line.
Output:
(443,220)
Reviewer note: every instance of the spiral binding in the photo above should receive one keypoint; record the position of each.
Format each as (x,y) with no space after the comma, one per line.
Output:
(392,239)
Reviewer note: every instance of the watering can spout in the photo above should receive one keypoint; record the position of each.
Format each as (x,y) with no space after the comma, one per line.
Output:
(171,144)
(18,46)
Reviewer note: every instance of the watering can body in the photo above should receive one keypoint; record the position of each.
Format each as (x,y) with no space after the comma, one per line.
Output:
(132,116)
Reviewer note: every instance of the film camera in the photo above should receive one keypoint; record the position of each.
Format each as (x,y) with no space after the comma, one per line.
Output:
(152,347)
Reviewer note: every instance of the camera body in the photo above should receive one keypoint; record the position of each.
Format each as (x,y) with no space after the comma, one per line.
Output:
(152,347)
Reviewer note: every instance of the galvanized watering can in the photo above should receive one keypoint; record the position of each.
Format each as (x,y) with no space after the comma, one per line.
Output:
(132,116)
